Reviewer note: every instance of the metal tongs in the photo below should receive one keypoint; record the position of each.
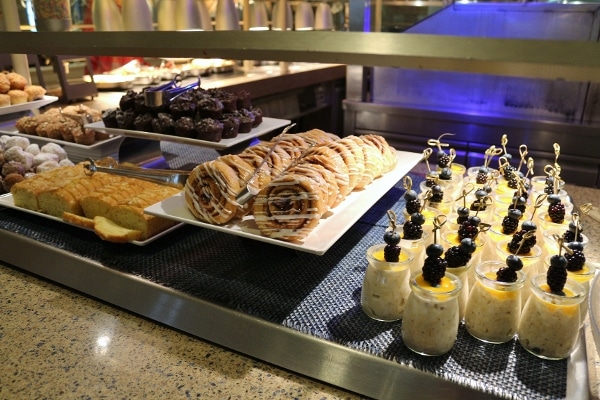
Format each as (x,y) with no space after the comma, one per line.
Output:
(159,95)
(163,176)
(250,190)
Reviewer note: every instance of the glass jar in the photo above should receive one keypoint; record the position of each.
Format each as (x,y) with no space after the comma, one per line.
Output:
(385,285)
(583,277)
(430,322)
(463,273)
(494,308)
(531,263)
(52,15)
(549,324)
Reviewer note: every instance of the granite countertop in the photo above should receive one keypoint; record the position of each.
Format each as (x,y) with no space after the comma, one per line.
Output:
(57,343)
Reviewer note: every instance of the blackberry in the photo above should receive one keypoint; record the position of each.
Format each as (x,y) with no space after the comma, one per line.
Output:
(556,277)
(413,206)
(481,177)
(456,257)
(575,261)
(478,206)
(518,203)
(508,172)
(549,189)
(391,253)
(467,230)
(506,274)
(513,182)
(412,230)
(515,242)
(509,225)
(434,270)
(556,212)
(569,236)
(443,159)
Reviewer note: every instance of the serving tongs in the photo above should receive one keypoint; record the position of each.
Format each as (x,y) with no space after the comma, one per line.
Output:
(251,190)
(173,178)
(159,95)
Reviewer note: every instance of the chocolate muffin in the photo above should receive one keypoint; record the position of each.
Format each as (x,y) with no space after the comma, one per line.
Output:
(125,119)
(143,122)
(258,116)
(163,123)
(182,106)
(210,108)
(243,99)
(228,99)
(127,101)
(109,117)
(185,127)
(246,120)
(209,129)
(231,125)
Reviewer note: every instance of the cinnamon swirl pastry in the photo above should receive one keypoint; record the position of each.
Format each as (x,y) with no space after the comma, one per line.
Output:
(317,136)
(372,159)
(349,160)
(330,159)
(210,192)
(389,154)
(359,158)
(277,161)
(289,207)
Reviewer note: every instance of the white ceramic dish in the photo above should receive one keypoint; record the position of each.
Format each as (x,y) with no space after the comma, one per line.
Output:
(76,152)
(30,105)
(331,227)
(267,125)
(6,200)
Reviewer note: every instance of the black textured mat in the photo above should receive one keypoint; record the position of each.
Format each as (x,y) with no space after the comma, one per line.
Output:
(315,295)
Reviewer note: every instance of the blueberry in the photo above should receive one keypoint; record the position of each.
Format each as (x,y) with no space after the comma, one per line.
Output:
(528,225)
(434,250)
(410,195)
(514,262)
(468,245)
(483,170)
(480,193)
(474,220)
(418,218)
(391,237)
(437,189)
(514,213)
(446,173)
(575,245)
(463,211)
(553,199)
(558,261)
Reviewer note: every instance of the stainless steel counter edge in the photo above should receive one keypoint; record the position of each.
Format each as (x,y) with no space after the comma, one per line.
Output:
(549,59)
(310,356)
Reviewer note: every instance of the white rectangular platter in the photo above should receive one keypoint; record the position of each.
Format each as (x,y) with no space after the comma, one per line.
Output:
(76,152)
(30,105)
(267,125)
(6,200)
(331,227)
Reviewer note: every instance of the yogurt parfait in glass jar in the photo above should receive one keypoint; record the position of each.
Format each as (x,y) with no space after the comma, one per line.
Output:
(550,321)
(385,285)
(494,307)
(431,316)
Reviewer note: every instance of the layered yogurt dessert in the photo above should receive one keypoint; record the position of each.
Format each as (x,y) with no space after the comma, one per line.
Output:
(494,308)
(431,317)
(385,285)
(550,320)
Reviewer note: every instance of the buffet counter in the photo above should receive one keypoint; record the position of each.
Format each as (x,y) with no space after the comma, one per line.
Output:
(281,306)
